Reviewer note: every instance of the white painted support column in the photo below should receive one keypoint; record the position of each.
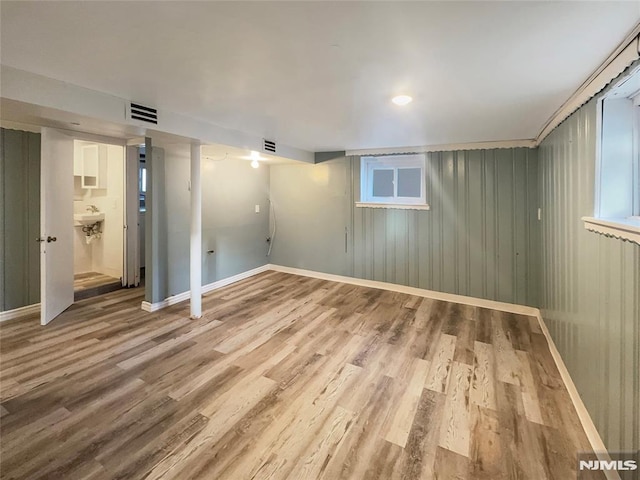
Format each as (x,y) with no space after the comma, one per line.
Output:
(196,234)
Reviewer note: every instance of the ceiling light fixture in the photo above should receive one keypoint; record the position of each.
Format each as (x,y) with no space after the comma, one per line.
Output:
(255,158)
(402,100)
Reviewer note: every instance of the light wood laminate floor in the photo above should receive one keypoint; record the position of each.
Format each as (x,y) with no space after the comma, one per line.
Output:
(92,284)
(284,377)
(87,280)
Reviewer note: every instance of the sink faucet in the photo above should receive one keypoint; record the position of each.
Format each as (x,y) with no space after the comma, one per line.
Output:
(92,209)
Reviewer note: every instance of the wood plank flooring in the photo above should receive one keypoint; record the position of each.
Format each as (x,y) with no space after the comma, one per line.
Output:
(82,281)
(91,284)
(284,377)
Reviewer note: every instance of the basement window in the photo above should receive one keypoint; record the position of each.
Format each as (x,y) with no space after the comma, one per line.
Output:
(617,204)
(393,181)
(142,183)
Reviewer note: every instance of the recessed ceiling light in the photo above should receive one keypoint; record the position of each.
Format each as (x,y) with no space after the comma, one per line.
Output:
(402,100)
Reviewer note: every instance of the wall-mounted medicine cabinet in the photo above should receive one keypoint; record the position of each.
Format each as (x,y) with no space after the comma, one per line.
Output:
(90,165)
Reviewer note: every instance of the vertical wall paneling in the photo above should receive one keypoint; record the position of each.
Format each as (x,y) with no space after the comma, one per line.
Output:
(476,239)
(534,237)
(20,218)
(33,222)
(3,203)
(590,287)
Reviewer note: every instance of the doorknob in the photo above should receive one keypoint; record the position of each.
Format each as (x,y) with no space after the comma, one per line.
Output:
(51,239)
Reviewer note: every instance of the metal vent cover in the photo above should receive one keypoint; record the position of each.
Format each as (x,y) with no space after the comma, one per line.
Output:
(143,113)
(269,146)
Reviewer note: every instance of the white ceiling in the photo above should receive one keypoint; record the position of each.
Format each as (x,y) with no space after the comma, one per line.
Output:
(224,152)
(320,75)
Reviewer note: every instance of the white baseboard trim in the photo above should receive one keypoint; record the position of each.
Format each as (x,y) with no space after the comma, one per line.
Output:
(585,419)
(420,292)
(181,297)
(19,312)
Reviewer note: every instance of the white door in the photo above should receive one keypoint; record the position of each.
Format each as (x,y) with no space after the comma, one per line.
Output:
(131,276)
(56,224)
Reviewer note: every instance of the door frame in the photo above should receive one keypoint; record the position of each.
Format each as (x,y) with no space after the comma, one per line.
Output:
(131,228)
(131,203)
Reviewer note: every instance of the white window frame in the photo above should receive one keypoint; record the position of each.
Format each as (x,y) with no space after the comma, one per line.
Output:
(391,162)
(625,224)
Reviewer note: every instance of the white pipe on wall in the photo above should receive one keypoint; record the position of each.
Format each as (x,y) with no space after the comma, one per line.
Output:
(196,234)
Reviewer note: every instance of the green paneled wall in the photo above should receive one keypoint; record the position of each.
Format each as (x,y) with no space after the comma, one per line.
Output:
(19,218)
(590,285)
(480,237)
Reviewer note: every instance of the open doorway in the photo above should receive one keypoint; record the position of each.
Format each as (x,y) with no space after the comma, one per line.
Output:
(98,212)
(142,192)
(89,218)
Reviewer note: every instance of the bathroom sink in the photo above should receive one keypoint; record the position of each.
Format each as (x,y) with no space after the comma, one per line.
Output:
(88,218)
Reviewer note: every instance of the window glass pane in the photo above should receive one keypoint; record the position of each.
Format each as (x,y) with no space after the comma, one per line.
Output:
(409,180)
(143,179)
(143,187)
(383,183)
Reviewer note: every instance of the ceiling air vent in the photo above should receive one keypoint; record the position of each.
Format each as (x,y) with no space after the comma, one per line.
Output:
(269,146)
(142,113)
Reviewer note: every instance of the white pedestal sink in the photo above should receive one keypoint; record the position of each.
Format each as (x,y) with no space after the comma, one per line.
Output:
(88,218)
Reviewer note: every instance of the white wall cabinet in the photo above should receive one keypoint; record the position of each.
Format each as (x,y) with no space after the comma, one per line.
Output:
(91,166)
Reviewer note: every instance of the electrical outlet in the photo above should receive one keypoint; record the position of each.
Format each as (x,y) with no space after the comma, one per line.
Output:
(257,208)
